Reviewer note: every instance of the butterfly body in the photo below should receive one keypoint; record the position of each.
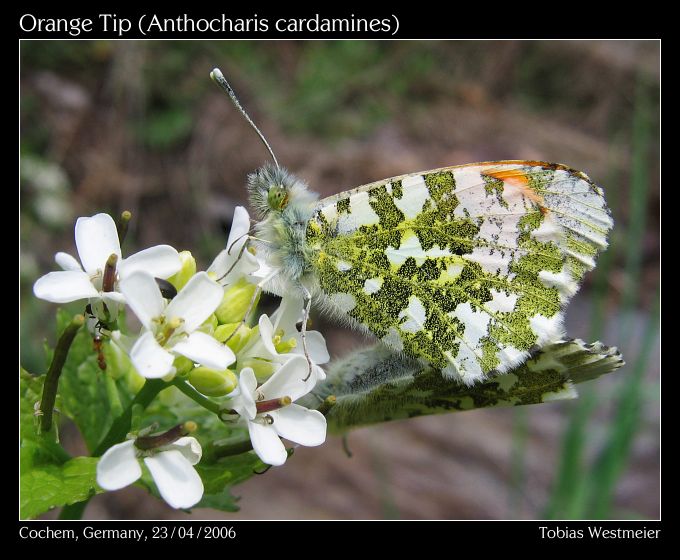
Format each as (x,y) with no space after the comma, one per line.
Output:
(465,268)
(285,206)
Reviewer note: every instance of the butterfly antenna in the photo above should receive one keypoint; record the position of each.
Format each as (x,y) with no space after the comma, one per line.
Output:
(217,77)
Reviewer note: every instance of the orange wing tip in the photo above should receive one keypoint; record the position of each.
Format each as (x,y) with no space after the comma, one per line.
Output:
(519,179)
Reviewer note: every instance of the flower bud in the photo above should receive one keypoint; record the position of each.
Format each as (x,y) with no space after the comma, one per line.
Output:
(182,276)
(240,338)
(211,323)
(236,302)
(183,365)
(213,383)
(262,368)
(116,359)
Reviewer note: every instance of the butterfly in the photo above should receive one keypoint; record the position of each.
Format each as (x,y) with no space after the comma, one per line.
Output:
(466,269)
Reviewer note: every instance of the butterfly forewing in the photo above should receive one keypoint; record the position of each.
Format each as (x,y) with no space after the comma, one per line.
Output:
(468,267)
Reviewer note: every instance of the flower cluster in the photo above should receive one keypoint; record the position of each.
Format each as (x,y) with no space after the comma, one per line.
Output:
(197,331)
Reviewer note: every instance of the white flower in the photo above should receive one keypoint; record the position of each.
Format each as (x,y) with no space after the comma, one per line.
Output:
(171,467)
(230,264)
(283,326)
(171,328)
(96,240)
(285,320)
(270,415)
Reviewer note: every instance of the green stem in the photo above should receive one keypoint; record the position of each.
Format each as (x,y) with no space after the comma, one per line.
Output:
(227,448)
(51,384)
(121,425)
(195,396)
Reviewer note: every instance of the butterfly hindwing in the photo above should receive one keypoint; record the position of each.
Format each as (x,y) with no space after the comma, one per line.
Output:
(467,268)
(374,385)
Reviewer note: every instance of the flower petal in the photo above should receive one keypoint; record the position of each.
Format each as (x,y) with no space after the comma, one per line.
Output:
(196,301)
(267,444)
(64,286)
(204,349)
(316,346)
(238,236)
(240,226)
(267,334)
(288,314)
(287,381)
(161,261)
(113,297)
(189,448)
(265,271)
(247,381)
(67,262)
(219,267)
(244,403)
(298,424)
(96,240)
(177,480)
(249,264)
(143,296)
(118,467)
(149,358)
(319,373)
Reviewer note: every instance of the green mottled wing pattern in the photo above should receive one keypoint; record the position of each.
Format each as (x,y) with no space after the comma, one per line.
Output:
(466,268)
(377,385)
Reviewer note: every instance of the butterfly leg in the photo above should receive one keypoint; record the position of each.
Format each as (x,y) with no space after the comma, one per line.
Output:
(238,258)
(307,304)
(243,248)
(240,253)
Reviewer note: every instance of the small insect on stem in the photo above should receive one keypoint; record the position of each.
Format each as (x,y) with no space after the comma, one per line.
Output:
(97,342)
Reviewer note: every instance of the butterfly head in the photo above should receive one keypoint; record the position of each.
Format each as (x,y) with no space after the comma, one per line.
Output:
(273,189)
(277,198)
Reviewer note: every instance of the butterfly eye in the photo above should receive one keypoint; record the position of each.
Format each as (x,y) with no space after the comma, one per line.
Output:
(277,197)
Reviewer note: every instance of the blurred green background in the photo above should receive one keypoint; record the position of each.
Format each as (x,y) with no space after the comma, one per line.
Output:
(108,126)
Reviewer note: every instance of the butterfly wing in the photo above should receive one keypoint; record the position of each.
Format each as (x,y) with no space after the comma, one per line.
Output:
(468,268)
(376,385)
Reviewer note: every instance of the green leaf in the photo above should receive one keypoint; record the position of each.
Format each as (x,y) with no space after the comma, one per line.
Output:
(92,398)
(220,476)
(30,389)
(50,486)
(34,448)
(48,476)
